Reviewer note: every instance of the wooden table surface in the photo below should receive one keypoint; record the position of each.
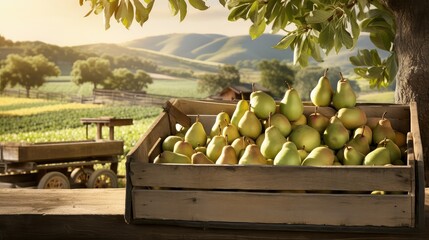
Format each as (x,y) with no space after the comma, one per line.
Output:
(98,214)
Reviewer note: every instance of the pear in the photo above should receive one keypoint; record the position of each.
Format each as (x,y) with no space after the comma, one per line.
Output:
(344,97)
(318,121)
(260,139)
(340,155)
(240,144)
(252,156)
(364,131)
(196,135)
(281,122)
(222,120)
(200,158)
(262,104)
(215,146)
(377,157)
(169,141)
(383,130)
(321,95)
(360,143)
(241,107)
(291,105)
(288,155)
(302,153)
(302,120)
(320,156)
(272,143)
(171,157)
(352,117)
(335,134)
(184,148)
(400,139)
(394,150)
(228,156)
(231,131)
(305,135)
(249,125)
(201,149)
(352,156)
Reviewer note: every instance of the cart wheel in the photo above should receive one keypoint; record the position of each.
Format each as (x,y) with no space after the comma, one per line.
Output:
(102,178)
(80,175)
(54,180)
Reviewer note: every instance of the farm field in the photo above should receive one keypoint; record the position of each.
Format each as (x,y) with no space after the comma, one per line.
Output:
(35,120)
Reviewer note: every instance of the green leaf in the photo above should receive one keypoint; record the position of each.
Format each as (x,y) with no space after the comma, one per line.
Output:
(326,38)
(392,66)
(182,9)
(355,60)
(223,2)
(257,30)
(253,12)
(238,12)
(318,16)
(285,42)
(315,50)
(375,72)
(200,4)
(142,14)
(381,40)
(346,38)
(174,7)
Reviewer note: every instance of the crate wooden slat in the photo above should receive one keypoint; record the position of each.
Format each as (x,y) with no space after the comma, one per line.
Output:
(237,195)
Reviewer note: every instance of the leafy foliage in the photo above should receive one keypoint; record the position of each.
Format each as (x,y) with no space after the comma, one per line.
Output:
(311,27)
(124,79)
(213,83)
(27,71)
(94,70)
(275,76)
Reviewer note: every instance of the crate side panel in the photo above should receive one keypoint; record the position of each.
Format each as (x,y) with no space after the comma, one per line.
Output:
(248,207)
(351,178)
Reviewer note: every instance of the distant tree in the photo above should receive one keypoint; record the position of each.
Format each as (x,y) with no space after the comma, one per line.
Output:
(132,63)
(5,42)
(275,75)
(27,71)
(124,79)
(213,83)
(94,70)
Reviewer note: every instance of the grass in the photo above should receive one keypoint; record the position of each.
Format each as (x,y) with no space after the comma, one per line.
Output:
(377,97)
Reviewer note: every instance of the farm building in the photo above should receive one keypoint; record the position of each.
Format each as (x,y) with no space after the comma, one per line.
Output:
(233,92)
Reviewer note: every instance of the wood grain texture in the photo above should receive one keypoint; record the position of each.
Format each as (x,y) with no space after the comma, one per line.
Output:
(106,221)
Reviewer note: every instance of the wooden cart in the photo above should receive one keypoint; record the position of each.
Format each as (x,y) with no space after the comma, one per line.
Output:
(64,164)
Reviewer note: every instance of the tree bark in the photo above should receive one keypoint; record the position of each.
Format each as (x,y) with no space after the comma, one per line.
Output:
(412,48)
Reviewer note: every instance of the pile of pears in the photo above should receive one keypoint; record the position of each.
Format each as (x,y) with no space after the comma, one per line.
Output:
(263,132)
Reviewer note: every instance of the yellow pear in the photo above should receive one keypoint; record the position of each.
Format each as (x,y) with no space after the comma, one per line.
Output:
(171,157)
(228,156)
(241,107)
(252,156)
(196,135)
(320,156)
(200,158)
(321,95)
(249,125)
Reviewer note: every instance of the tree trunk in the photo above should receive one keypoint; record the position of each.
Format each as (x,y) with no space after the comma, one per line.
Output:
(412,48)
(27,92)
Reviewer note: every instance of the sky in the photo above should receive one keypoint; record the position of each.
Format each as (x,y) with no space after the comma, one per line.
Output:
(62,22)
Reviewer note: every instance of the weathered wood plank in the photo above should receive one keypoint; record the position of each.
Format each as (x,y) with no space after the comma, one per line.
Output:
(351,178)
(251,207)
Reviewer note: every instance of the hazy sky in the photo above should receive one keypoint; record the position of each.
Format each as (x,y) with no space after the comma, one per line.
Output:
(62,22)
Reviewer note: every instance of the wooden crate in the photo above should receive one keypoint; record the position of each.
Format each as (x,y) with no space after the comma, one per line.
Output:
(271,197)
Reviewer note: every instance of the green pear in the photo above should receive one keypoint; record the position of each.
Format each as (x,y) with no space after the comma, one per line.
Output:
(383,130)
(394,150)
(344,97)
(318,121)
(228,156)
(184,148)
(291,105)
(281,122)
(360,143)
(272,143)
(201,149)
(222,120)
(340,155)
(319,156)
(400,139)
(249,125)
(321,95)
(241,107)
(352,117)
(288,155)
(335,134)
(377,157)
(200,158)
(169,141)
(305,135)
(214,148)
(364,131)
(171,157)
(252,156)
(262,104)
(352,156)
(302,120)
(260,139)
(240,144)
(230,132)
(196,135)
(302,153)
